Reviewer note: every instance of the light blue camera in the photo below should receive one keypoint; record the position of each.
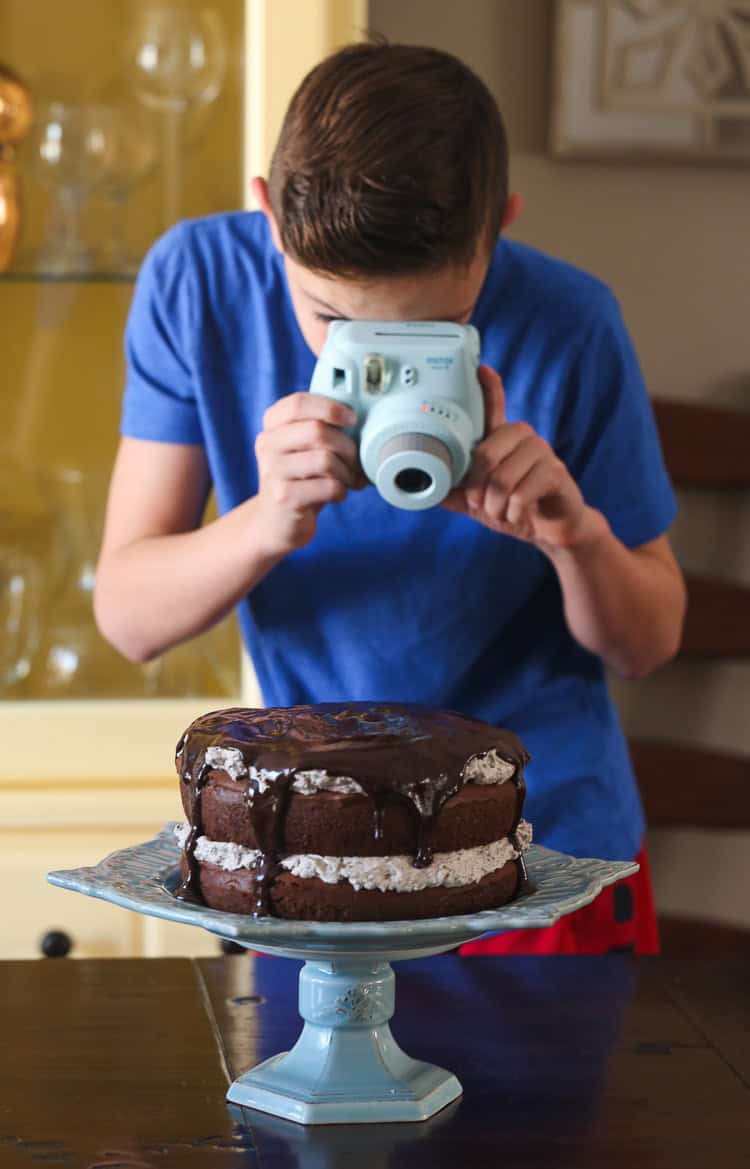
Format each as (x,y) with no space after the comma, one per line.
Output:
(414,388)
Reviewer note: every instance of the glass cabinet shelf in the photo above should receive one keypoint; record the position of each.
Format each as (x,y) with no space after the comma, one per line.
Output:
(30,276)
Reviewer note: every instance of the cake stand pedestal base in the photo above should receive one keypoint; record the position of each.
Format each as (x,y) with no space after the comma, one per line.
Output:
(346,1067)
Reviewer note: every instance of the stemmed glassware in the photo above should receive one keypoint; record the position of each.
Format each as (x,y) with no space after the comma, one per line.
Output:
(29,567)
(72,148)
(72,659)
(136,155)
(176,61)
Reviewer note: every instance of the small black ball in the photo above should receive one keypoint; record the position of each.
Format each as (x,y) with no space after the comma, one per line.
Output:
(56,944)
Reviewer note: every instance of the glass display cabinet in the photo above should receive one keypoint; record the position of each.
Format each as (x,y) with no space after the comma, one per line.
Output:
(116,120)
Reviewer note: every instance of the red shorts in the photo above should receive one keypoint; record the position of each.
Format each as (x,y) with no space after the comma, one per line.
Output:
(622,917)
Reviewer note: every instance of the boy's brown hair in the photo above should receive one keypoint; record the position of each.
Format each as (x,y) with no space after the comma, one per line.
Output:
(391,159)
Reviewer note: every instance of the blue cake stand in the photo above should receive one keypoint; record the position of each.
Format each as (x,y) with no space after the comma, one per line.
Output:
(346,1067)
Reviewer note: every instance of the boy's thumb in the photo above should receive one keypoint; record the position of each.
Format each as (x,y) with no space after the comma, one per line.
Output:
(494,398)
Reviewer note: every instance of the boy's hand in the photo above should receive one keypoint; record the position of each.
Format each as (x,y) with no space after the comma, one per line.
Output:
(516,483)
(304,461)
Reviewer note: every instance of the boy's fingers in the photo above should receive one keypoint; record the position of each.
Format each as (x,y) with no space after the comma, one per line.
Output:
(307,435)
(299,494)
(305,406)
(541,481)
(494,398)
(494,451)
(317,464)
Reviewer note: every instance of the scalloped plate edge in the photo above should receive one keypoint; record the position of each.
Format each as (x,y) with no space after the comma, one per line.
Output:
(158,857)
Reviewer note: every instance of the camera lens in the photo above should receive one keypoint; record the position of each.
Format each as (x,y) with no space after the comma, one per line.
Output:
(410,470)
(413,480)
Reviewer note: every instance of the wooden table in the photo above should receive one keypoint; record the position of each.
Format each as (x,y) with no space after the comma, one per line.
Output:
(600,1062)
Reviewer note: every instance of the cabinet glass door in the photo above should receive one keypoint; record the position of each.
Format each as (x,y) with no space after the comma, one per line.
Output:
(116,120)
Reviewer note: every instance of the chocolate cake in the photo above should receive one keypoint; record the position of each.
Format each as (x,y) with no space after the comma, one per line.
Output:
(351,812)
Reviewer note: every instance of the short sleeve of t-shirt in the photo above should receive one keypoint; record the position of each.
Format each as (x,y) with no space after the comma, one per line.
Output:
(608,437)
(159,399)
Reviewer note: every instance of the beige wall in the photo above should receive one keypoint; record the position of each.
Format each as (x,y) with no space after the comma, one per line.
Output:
(673,242)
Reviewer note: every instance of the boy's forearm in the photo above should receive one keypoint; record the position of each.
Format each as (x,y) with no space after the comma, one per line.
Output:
(160,590)
(627,605)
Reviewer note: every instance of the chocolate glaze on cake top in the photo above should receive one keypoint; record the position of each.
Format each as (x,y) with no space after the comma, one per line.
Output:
(395,752)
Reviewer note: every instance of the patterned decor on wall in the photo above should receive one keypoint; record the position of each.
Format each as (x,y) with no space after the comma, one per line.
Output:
(652,78)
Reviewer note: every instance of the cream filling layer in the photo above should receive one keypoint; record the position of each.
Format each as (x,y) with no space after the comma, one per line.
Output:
(487,768)
(389,874)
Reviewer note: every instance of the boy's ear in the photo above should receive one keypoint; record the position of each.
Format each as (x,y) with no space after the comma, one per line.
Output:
(513,209)
(259,187)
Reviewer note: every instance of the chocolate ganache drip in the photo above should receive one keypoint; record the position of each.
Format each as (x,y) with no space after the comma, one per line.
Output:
(396,753)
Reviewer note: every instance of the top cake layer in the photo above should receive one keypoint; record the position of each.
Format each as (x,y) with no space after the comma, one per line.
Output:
(383,747)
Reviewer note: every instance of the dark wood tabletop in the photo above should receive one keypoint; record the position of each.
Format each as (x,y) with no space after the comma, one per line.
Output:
(589,1062)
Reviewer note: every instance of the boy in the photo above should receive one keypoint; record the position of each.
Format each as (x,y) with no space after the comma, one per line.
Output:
(386,198)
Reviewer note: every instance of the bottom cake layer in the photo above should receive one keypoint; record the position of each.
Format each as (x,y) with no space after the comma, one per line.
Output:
(311,899)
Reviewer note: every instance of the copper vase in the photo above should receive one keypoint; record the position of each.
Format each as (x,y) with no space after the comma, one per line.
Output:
(10,214)
(15,122)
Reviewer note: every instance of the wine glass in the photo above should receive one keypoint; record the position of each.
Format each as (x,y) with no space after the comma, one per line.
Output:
(135,156)
(176,60)
(73,660)
(20,590)
(71,151)
(28,568)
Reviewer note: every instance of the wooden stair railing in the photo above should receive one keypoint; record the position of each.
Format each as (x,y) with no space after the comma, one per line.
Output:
(689,787)
(685,786)
(704,446)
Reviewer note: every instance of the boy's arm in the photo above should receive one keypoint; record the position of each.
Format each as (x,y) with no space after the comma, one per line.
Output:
(625,604)
(161,578)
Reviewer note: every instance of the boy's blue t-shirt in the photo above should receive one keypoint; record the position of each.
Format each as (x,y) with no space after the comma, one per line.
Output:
(429,606)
